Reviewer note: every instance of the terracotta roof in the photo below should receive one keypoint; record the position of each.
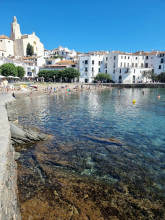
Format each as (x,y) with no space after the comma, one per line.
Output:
(28,61)
(50,66)
(66,62)
(29,58)
(4,37)
(156,52)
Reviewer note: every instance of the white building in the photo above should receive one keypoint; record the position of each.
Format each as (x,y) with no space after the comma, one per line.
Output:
(123,67)
(58,64)
(30,64)
(65,53)
(90,66)
(16,45)
(6,46)
(156,61)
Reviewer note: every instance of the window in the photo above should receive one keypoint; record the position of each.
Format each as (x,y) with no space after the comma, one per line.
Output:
(141,65)
(121,57)
(114,57)
(99,70)
(127,71)
(0,40)
(113,65)
(132,64)
(134,71)
(124,64)
(8,41)
(29,73)
(136,58)
(86,61)
(162,60)
(93,62)
(99,62)
(92,71)
(146,65)
(105,71)
(120,70)
(125,57)
(105,65)
(106,58)
(136,64)
(127,64)
(120,64)
(114,71)
(128,57)
(86,69)
(160,66)
(146,57)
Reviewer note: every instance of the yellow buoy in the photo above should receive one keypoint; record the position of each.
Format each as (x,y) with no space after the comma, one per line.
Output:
(134,100)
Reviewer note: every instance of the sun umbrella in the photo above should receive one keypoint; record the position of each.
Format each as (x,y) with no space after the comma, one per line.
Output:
(1,76)
(10,76)
(16,77)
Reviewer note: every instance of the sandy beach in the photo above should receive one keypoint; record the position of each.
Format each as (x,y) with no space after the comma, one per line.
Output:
(53,88)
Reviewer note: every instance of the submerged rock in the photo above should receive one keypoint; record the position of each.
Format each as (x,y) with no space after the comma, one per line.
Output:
(24,135)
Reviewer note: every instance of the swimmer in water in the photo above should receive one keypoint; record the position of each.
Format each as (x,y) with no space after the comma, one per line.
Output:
(158,96)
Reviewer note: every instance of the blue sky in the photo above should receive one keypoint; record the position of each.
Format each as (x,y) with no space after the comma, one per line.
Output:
(88,25)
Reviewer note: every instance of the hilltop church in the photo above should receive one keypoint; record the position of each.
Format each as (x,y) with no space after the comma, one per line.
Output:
(16,44)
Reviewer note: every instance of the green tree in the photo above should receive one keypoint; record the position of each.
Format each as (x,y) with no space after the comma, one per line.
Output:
(20,71)
(56,56)
(50,75)
(8,69)
(103,77)
(150,75)
(70,73)
(161,77)
(29,50)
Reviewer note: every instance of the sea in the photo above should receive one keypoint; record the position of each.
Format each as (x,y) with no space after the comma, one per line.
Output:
(105,158)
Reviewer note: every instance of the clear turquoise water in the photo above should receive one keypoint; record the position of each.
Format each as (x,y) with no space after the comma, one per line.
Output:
(89,120)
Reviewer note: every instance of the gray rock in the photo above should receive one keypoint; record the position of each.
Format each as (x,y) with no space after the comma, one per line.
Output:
(23,135)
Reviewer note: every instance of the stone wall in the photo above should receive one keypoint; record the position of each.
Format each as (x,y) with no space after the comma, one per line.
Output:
(133,85)
(8,168)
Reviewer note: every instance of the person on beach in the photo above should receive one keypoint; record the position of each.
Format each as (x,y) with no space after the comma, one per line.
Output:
(2,86)
(5,82)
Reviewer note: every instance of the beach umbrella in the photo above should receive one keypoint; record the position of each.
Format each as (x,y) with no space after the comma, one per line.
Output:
(10,76)
(16,77)
(1,77)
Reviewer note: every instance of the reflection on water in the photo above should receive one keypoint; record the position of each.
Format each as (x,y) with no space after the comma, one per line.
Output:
(106,160)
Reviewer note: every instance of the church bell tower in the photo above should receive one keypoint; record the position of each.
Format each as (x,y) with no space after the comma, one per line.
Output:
(15,29)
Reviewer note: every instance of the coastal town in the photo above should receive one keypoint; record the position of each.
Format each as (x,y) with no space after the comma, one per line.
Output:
(122,67)
(81,133)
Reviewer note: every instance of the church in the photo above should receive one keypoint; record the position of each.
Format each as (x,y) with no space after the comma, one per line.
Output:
(16,44)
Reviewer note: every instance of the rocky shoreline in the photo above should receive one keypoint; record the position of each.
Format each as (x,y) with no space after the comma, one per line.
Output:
(11,134)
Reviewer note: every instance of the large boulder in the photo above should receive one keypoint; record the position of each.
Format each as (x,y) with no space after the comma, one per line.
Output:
(23,135)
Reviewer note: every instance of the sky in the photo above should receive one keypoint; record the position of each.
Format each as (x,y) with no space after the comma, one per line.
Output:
(89,25)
